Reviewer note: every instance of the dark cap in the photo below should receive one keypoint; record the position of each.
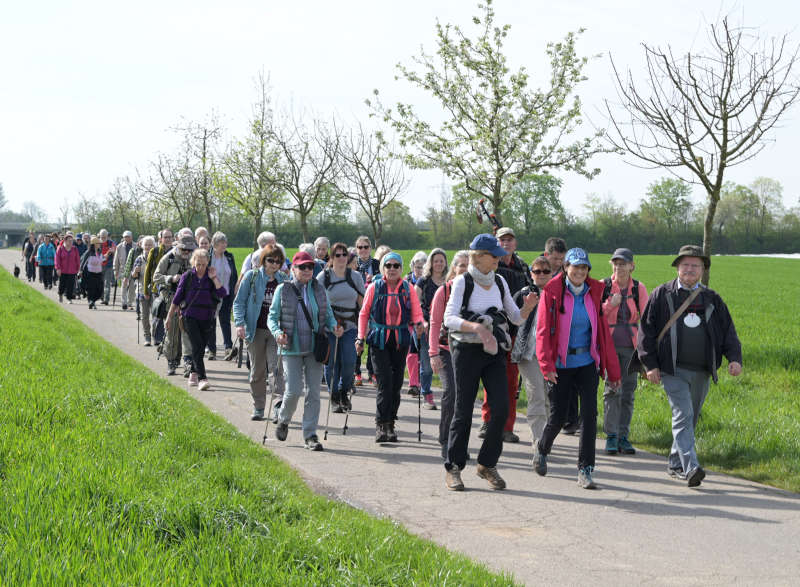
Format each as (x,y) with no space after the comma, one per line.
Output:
(187,243)
(692,251)
(489,243)
(624,254)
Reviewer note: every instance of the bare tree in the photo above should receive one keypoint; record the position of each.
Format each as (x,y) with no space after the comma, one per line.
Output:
(251,166)
(698,114)
(200,143)
(169,186)
(369,176)
(307,162)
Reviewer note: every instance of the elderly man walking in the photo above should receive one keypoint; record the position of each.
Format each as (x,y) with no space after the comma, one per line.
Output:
(685,330)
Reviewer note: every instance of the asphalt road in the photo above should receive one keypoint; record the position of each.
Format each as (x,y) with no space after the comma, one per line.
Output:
(639,526)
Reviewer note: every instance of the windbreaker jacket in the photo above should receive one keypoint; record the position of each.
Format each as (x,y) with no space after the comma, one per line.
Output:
(46,255)
(721,334)
(611,312)
(552,328)
(68,262)
(248,300)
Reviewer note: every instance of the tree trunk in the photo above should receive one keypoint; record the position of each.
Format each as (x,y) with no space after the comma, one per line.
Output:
(303,224)
(708,229)
(257,226)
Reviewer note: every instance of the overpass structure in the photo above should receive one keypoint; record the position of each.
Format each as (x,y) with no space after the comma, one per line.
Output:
(13,233)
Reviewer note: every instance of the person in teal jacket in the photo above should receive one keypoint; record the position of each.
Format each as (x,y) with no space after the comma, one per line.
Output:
(251,317)
(46,258)
(293,304)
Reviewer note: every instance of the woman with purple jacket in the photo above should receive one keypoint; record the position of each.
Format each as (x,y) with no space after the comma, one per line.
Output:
(196,298)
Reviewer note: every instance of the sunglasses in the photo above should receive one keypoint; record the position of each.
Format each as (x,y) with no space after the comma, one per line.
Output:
(272,261)
(541,271)
(392,265)
(306,267)
(362,247)
(341,255)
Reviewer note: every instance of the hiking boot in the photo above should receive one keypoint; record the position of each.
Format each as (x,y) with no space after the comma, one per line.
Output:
(275,411)
(282,431)
(492,477)
(171,367)
(483,430)
(612,445)
(231,353)
(570,428)
(124,306)
(695,477)
(193,380)
(313,444)
(347,405)
(336,403)
(540,463)
(428,404)
(258,415)
(212,355)
(509,436)
(358,380)
(187,369)
(391,433)
(381,432)
(104,302)
(203,385)
(625,446)
(585,478)
(147,341)
(413,391)
(452,479)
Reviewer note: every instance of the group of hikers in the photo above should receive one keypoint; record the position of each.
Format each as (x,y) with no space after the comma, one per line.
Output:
(484,318)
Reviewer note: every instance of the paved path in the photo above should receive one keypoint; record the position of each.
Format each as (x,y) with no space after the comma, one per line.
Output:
(638,527)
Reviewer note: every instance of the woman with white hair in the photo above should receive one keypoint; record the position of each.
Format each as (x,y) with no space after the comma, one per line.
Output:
(137,274)
(223,261)
(389,312)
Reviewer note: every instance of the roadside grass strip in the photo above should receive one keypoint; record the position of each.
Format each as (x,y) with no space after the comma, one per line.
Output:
(110,475)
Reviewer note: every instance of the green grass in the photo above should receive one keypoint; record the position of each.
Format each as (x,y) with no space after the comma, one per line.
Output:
(110,475)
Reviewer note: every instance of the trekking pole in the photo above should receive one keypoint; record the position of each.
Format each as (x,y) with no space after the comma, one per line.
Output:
(269,415)
(113,303)
(419,417)
(138,318)
(330,387)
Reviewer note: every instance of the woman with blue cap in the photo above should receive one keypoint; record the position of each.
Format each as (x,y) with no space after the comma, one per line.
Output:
(574,348)
(390,309)
(477,316)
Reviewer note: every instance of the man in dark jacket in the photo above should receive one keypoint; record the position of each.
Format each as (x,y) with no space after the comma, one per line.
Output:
(690,351)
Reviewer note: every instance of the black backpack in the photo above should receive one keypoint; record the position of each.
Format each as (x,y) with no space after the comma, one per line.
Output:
(469,286)
(344,313)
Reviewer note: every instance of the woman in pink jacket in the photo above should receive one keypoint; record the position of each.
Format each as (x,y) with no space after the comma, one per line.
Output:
(68,262)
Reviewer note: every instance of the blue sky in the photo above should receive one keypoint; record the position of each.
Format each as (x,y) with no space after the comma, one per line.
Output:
(90,90)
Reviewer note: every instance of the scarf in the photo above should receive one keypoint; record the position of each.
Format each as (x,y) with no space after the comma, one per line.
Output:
(484,279)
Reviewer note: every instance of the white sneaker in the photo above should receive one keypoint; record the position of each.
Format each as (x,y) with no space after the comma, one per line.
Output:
(203,385)
(192,380)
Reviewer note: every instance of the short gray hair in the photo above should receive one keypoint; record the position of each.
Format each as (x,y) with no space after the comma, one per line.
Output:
(322,240)
(198,231)
(265,238)
(218,238)
(148,239)
(308,248)
(103,233)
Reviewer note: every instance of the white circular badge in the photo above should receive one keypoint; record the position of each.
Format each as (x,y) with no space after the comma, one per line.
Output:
(691,320)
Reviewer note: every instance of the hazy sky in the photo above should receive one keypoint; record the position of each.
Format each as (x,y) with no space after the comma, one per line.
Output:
(89,90)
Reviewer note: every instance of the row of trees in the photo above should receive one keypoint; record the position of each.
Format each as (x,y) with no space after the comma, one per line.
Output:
(694,115)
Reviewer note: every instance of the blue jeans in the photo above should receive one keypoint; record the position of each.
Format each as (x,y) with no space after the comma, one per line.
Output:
(686,391)
(296,368)
(425,369)
(340,376)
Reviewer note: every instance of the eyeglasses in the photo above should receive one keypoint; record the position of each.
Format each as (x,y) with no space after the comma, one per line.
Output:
(340,255)
(362,247)
(392,265)
(541,272)
(306,267)
(272,261)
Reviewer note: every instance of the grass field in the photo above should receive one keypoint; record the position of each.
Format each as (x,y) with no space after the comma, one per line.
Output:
(110,475)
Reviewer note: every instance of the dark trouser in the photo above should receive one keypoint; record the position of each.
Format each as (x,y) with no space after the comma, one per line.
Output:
(576,382)
(472,366)
(93,284)
(370,367)
(448,379)
(198,331)
(390,369)
(46,275)
(572,417)
(30,269)
(512,382)
(224,315)
(66,285)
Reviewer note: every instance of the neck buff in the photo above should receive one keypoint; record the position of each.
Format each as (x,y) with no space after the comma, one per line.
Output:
(484,279)
(575,289)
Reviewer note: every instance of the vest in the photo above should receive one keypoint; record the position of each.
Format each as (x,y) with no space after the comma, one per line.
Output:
(289,307)
(376,334)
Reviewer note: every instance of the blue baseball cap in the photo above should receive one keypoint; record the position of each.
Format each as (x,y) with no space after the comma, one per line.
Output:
(488,243)
(577,256)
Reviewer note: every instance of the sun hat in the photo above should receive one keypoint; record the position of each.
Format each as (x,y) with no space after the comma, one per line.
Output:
(692,251)
(488,243)
(506,230)
(577,256)
(187,243)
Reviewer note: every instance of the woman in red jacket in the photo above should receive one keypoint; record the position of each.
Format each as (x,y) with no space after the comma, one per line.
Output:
(68,262)
(574,348)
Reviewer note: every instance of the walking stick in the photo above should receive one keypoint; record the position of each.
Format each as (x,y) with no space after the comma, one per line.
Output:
(419,417)
(114,302)
(269,414)
(138,318)
(330,386)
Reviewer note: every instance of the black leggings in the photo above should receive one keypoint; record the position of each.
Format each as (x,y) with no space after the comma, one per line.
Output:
(46,274)
(390,369)
(66,285)
(198,332)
